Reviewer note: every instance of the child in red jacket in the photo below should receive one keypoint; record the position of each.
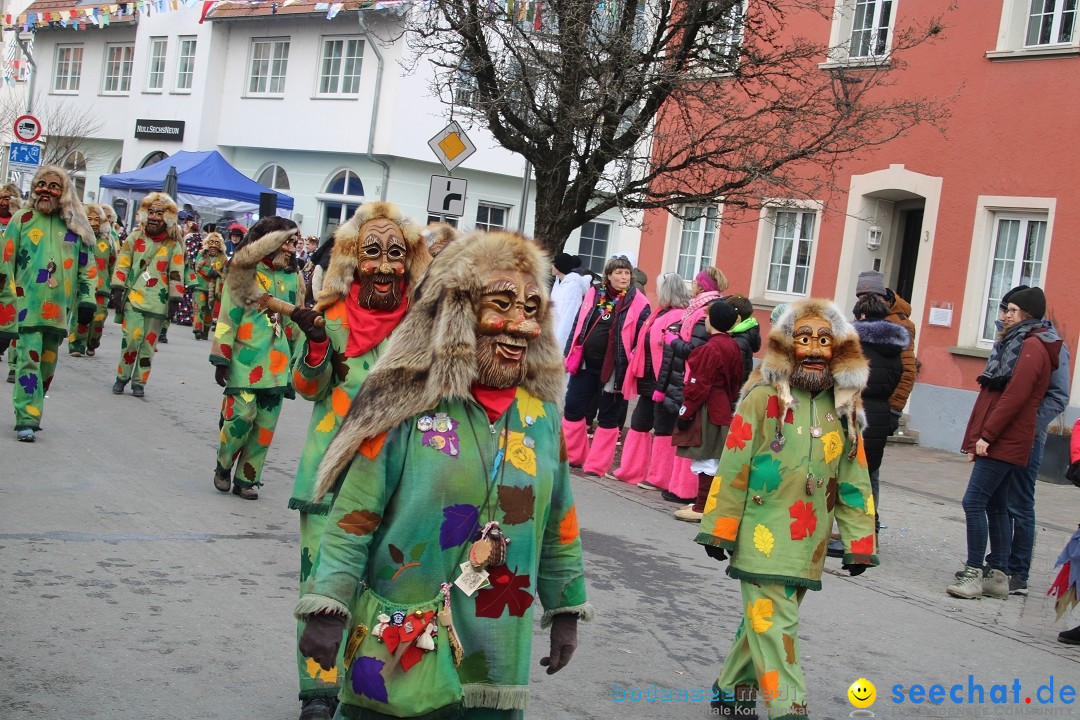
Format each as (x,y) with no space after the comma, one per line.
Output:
(710,389)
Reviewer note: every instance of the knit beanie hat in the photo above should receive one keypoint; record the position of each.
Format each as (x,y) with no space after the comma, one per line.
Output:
(1004,304)
(722,316)
(1032,301)
(871,281)
(565,262)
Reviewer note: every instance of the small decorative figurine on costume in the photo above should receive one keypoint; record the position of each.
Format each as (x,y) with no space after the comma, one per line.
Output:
(793,460)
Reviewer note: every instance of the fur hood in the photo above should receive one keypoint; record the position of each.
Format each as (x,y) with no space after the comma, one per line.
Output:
(171,228)
(71,210)
(345,256)
(850,369)
(886,335)
(432,354)
(243,287)
(214,239)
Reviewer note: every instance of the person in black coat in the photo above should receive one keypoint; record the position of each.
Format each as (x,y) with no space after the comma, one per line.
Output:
(746,333)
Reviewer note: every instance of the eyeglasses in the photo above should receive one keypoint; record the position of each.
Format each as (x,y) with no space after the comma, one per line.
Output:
(1011,310)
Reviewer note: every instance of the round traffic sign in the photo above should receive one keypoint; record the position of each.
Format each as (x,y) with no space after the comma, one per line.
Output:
(27,128)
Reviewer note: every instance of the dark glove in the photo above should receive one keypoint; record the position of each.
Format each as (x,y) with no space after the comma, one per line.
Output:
(221,375)
(563,642)
(4,346)
(854,570)
(894,421)
(212,275)
(1073,473)
(305,320)
(684,423)
(322,638)
(715,553)
(116,298)
(174,306)
(85,315)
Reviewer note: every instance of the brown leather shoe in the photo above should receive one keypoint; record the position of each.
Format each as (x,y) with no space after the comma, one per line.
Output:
(248,493)
(222,482)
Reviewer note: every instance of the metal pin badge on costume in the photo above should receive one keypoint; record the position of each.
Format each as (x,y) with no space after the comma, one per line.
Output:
(424,424)
(528,442)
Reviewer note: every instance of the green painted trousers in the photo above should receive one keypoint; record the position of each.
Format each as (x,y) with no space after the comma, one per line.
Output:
(35,364)
(247,423)
(202,312)
(314,681)
(470,714)
(88,337)
(765,653)
(137,347)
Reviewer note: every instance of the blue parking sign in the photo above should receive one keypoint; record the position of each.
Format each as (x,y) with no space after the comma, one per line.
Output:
(24,154)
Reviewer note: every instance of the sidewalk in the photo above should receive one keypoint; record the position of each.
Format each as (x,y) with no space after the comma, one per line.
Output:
(922,543)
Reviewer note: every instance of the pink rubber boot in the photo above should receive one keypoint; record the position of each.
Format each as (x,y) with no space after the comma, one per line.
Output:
(662,463)
(602,451)
(684,483)
(576,433)
(634,465)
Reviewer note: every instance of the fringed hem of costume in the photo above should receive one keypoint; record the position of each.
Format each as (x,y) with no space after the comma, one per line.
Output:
(496,697)
(762,578)
(355,712)
(43,329)
(219,360)
(712,540)
(329,693)
(315,604)
(309,506)
(585,613)
(860,559)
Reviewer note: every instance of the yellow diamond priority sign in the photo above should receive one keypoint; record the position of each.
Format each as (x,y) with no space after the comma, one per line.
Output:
(452,146)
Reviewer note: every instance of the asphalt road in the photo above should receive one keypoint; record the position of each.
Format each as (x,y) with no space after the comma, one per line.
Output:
(135,590)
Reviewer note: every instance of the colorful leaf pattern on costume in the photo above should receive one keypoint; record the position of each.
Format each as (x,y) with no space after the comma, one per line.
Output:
(739,434)
(460,523)
(789,650)
(360,522)
(833,445)
(765,473)
(851,496)
(759,613)
(529,407)
(804,519)
(367,678)
(764,540)
(726,528)
(770,685)
(517,504)
(870,510)
(568,526)
(371,447)
(506,593)
(518,453)
(863,546)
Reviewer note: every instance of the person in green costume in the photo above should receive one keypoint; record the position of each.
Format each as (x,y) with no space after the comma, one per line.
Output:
(209,266)
(793,460)
(85,339)
(10,201)
(377,257)
(451,468)
(147,285)
(252,352)
(44,279)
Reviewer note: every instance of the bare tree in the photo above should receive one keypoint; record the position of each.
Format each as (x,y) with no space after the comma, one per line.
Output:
(646,104)
(66,128)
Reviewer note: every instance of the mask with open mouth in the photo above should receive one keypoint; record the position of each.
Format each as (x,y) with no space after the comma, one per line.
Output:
(382,265)
(508,319)
(813,339)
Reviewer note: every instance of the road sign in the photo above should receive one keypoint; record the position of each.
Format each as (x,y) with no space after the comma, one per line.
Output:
(452,146)
(446,196)
(24,157)
(27,128)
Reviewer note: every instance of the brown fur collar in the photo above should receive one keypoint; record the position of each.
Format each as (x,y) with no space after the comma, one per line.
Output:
(432,354)
(243,287)
(850,369)
(345,257)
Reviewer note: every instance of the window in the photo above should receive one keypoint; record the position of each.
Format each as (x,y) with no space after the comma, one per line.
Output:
(861,31)
(68,68)
(1036,27)
(154,157)
(185,64)
(155,76)
(118,60)
(466,93)
(448,219)
(75,164)
(274,176)
(1050,22)
(339,68)
(724,38)
(1017,258)
(343,195)
(789,256)
(593,245)
(697,239)
(491,217)
(269,61)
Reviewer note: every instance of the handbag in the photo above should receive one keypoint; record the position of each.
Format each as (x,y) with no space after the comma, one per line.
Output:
(577,352)
(401,660)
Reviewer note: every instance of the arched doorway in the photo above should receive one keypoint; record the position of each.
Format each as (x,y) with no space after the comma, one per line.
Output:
(343,195)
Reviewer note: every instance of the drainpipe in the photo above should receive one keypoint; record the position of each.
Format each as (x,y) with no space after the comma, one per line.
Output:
(375,106)
(33,74)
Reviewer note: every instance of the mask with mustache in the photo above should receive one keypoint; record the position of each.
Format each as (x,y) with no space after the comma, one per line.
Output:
(508,319)
(47,192)
(813,354)
(381,274)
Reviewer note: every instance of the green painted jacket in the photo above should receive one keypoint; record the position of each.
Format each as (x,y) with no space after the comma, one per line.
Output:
(245,341)
(152,272)
(773,505)
(331,385)
(104,263)
(204,264)
(27,303)
(411,504)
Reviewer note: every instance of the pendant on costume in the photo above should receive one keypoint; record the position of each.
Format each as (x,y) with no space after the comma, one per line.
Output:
(605,316)
(815,431)
(439,433)
(51,269)
(810,484)
(490,549)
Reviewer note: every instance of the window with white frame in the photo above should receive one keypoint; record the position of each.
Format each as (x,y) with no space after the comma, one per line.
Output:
(339,67)
(1018,252)
(274,176)
(118,61)
(861,31)
(448,219)
(269,62)
(155,76)
(697,239)
(185,63)
(491,217)
(790,251)
(593,244)
(1036,27)
(724,38)
(68,68)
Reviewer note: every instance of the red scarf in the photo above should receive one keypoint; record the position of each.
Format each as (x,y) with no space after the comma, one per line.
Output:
(495,401)
(4,220)
(368,328)
(159,238)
